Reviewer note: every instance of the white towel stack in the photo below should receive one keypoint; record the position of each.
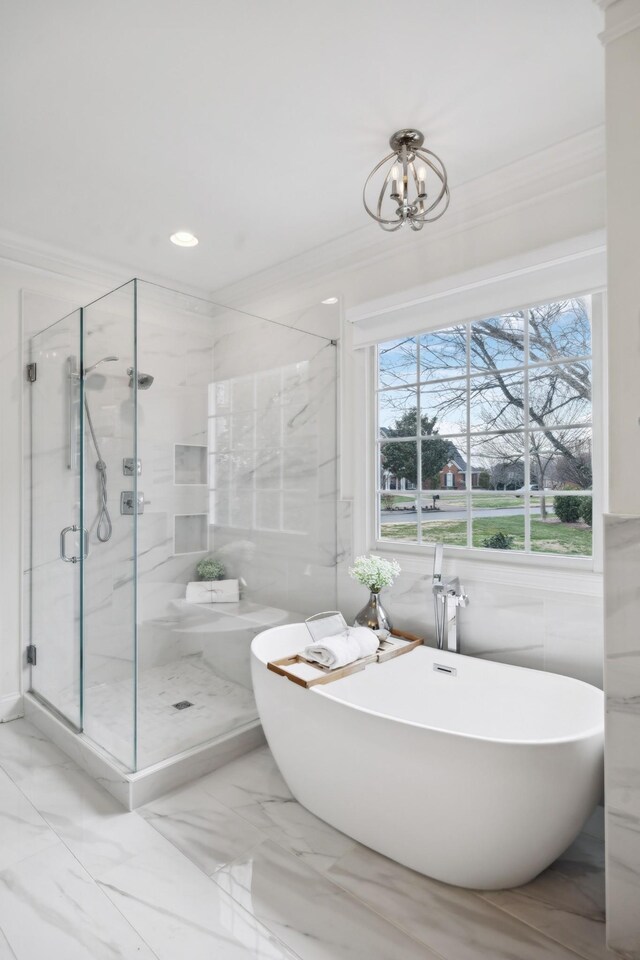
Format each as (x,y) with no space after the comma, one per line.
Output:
(341,649)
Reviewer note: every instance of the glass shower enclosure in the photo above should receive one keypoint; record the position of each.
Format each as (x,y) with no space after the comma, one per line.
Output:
(162,429)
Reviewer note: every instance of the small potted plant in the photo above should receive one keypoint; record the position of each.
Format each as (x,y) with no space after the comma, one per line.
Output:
(210,569)
(374,573)
(211,586)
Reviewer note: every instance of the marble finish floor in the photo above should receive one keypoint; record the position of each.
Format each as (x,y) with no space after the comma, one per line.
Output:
(231,867)
(219,707)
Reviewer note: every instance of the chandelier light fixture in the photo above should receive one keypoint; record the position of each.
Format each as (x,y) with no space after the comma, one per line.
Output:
(411,184)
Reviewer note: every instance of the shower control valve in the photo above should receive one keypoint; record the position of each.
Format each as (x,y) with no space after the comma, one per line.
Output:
(127,499)
(131,466)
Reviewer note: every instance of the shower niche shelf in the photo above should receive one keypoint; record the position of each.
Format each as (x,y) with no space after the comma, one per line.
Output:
(189,464)
(190,533)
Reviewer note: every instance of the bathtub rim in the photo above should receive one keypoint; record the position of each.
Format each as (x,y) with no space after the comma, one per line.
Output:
(321,690)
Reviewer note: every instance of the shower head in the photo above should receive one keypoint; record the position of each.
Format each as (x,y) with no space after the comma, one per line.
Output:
(144,379)
(90,369)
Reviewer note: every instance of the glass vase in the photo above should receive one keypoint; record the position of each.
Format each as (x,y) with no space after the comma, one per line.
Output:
(373,614)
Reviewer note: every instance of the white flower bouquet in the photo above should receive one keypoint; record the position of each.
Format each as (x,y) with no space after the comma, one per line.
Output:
(374,572)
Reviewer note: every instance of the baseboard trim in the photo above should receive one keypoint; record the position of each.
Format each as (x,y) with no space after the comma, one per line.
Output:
(11,707)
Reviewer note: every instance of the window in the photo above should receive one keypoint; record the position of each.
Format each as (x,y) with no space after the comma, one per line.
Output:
(484,433)
(262,452)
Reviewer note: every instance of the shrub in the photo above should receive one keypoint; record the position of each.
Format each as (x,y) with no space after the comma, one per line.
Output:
(484,481)
(210,569)
(586,510)
(568,509)
(499,541)
(386,501)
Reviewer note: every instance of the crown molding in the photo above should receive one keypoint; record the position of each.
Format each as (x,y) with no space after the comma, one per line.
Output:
(546,173)
(38,257)
(621,17)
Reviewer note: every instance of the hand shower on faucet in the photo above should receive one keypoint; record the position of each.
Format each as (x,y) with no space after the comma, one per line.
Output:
(448,596)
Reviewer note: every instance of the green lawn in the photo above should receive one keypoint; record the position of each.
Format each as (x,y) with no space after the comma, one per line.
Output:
(547,536)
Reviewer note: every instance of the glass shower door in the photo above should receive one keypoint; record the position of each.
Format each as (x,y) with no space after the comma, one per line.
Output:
(57,538)
(114,480)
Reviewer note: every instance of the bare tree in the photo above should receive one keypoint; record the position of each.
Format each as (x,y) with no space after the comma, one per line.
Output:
(559,390)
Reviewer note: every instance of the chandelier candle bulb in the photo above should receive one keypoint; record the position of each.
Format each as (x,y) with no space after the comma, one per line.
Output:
(422,181)
(395,173)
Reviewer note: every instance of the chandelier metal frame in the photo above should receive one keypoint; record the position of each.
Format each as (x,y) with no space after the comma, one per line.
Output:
(407,147)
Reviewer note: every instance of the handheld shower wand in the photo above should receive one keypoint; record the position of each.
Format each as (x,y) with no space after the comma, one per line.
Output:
(102,522)
(437,588)
(448,596)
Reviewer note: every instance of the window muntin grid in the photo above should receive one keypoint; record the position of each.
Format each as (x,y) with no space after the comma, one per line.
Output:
(540,357)
(262,457)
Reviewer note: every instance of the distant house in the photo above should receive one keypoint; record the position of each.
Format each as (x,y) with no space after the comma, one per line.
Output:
(453,475)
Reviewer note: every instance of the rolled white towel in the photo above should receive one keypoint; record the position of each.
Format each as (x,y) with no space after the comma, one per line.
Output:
(343,648)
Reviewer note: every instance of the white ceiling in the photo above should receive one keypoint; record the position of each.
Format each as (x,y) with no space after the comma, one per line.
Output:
(253,123)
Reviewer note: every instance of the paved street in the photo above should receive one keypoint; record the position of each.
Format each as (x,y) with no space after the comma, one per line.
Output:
(409,516)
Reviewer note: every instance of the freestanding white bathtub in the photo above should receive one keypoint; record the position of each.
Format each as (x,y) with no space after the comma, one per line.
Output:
(479,778)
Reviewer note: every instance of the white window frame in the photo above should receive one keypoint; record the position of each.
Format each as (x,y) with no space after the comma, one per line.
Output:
(482,555)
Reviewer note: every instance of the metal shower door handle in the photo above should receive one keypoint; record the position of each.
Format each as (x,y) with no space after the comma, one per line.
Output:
(63,543)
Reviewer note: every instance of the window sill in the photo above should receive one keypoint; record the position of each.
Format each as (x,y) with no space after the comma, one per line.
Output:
(536,571)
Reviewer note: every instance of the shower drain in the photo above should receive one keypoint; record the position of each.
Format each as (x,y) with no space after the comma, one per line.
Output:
(182,704)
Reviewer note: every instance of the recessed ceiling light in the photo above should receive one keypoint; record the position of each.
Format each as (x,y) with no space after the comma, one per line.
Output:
(330,300)
(184,239)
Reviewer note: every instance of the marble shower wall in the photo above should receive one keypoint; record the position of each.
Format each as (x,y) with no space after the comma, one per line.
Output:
(622,774)
(175,346)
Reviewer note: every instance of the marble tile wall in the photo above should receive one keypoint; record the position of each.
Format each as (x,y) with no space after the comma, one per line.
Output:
(175,346)
(622,732)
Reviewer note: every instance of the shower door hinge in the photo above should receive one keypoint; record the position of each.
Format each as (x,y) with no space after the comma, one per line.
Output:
(32,654)
(32,372)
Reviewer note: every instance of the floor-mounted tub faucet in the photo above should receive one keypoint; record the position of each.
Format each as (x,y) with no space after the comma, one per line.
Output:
(448,595)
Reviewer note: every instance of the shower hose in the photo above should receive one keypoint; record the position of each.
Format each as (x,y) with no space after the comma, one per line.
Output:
(102,522)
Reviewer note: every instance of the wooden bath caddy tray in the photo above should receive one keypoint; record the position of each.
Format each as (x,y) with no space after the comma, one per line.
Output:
(308,673)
